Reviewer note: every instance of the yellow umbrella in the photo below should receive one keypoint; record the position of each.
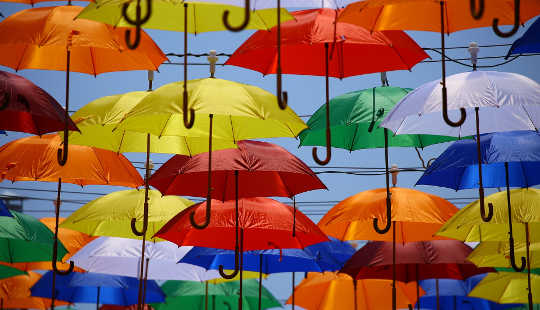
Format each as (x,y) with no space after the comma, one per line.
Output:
(111,215)
(508,287)
(246,275)
(497,254)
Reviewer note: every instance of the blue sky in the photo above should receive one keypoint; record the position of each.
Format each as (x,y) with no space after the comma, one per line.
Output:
(306,94)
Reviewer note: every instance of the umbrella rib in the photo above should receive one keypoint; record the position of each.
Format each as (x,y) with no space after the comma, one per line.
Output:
(93,60)
(187,146)
(18,67)
(232,129)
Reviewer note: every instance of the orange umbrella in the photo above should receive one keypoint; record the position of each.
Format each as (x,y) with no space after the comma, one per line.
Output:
(331,290)
(32,2)
(416,216)
(71,239)
(50,38)
(15,293)
(34,159)
(444,16)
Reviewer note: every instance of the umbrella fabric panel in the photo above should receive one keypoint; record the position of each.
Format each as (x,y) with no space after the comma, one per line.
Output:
(507,287)
(529,42)
(496,254)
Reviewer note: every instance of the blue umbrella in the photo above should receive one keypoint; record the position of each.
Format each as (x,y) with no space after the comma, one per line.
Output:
(4,210)
(508,159)
(97,288)
(529,42)
(452,294)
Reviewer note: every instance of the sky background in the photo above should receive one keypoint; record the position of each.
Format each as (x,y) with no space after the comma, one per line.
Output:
(306,94)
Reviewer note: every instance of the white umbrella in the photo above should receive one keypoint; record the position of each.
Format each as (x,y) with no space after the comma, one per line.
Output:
(121,256)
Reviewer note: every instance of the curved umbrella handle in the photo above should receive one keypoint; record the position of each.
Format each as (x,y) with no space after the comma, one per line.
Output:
(282,97)
(226,303)
(137,22)
(243,25)
(236,266)
(462,117)
(207,218)
(62,154)
(328,132)
(388,194)
(63,272)
(486,218)
(189,114)
(513,257)
(134,229)
(474,13)
(5,100)
(514,29)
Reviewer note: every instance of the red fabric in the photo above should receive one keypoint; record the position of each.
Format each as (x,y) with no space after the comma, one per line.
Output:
(445,259)
(267,224)
(357,51)
(29,109)
(265,169)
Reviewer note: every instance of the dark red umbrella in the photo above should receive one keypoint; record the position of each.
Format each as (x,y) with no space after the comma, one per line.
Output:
(304,49)
(440,259)
(25,107)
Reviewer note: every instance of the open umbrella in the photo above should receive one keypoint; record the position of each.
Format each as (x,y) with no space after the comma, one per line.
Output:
(15,293)
(8,272)
(330,290)
(414,261)
(26,107)
(529,42)
(508,287)
(305,43)
(4,211)
(40,38)
(456,168)
(97,288)
(496,254)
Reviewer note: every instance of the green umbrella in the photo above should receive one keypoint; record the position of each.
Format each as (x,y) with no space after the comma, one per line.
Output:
(353,123)
(8,272)
(192,295)
(25,239)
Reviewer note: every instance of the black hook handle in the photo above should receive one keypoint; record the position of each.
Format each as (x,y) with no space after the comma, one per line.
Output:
(486,218)
(209,192)
(236,266)
(514,29)
(328,131)
(207,218)
(243,25)
(477,14)
(63,272)
(134,229)
(462,117)
(388,194)
(282,96)
(513,257)
(62,154)
(6,97)
(137,22)
(189,114)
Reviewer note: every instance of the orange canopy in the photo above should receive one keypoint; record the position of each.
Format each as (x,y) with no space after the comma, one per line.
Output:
(330,290)
(425,15)
(15,293)
(35,159)
(38,38)
(32,2)
(72,241)
(417,215)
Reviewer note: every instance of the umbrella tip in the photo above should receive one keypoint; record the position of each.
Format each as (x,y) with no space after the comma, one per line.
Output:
(473,50)
(212,59)
(394,171)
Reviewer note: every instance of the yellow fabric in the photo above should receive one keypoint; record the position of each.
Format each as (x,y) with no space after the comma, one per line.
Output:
(240,112)
(507,288)
(97,119)
(111,215)
(467,225)
(246,275)
(497,254)
(169,15)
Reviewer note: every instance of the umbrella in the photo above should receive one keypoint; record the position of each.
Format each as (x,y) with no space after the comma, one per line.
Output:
(8,272)
(414,261)
(117,307)
(496,254)
(529,42)
(28,108)
(194,295)
(4,211)
(38,38)
(450,294)
(15,293)
(305,42)
(502,167)
(329,290)
(508,287)
(503,98)
(355,122)
(446,16)
(120,256)
(97,288)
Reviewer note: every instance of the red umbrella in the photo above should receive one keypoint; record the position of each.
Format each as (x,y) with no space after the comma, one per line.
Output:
(25,107)
(440,259)
(304,44)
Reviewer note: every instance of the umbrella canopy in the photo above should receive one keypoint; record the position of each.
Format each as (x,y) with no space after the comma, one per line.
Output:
(324,256)
(39,38)
(28,108)
(25,239)
(529,41)
(15,293)
(35,159)
(416,215)
(457,166)
(414,261)
(507,287)
(33,2)
(121,256)
(97,119)
(193,295)
(4,211)
(353,114)
(264,169)
(303,50)
(8,272)
(97,288)
(466,225)
(266,224)
(496,254)
(111,215)
(117,307)
(505,101)
(331,290)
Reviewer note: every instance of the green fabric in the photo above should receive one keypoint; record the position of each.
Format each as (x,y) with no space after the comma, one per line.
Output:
(8,272)
(533,271)
(525,307)
(351,115)
(25,239)
(190,295)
